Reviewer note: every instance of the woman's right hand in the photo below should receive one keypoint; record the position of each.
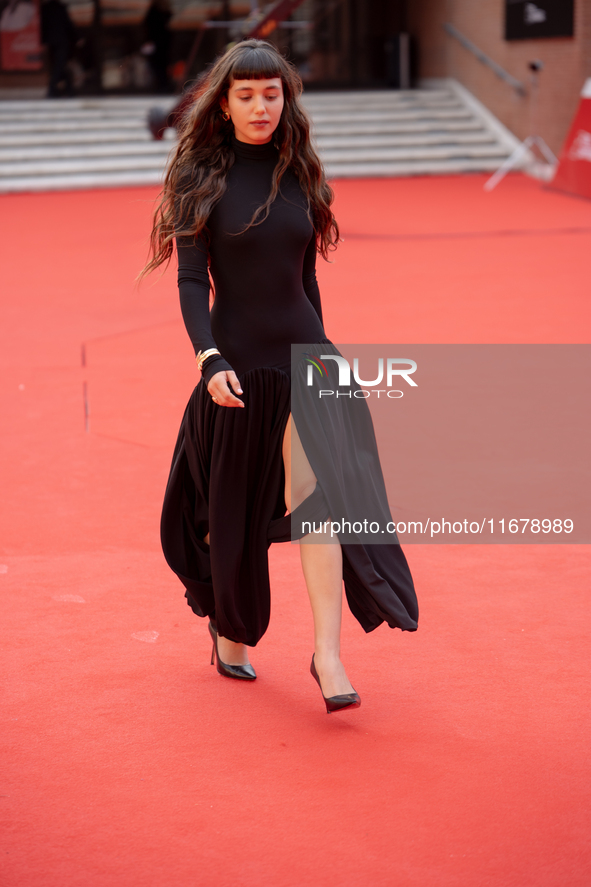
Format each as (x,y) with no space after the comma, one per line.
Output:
(218,387)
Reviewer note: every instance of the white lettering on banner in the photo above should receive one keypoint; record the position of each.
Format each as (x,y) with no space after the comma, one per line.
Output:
(533,15)
(581,147)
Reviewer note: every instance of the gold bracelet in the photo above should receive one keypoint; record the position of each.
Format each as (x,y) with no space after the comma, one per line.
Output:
(202,356)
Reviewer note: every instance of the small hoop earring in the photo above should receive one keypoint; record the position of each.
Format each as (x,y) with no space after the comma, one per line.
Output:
(226,115)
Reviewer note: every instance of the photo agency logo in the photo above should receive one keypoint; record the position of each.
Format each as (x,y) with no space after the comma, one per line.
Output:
(390,371)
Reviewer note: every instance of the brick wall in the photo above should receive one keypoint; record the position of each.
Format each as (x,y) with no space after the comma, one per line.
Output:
(547,110)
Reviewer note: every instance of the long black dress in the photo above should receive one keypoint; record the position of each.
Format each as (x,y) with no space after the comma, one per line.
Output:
(227,475)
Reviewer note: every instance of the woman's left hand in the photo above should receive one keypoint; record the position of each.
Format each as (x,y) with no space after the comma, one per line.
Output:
(220,391)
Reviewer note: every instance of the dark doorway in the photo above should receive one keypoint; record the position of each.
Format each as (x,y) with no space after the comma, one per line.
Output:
(356,43)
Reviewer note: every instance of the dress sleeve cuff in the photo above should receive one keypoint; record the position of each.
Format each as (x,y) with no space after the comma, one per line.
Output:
(213,365)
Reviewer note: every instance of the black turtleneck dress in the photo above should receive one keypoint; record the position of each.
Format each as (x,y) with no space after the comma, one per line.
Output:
(227,476)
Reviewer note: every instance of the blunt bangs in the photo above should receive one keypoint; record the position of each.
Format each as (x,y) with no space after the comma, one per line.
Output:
(255,63)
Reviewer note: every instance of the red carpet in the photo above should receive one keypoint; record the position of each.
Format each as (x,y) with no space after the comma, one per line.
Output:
(126,759)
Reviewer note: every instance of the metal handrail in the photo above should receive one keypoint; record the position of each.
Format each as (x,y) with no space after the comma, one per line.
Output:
(517,85)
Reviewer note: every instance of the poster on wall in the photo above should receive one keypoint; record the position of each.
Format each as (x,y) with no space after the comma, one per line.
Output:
(528,20)
(20,42)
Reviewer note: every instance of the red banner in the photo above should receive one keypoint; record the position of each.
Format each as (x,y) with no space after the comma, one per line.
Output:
(272,19)
(20,43)
(574,166)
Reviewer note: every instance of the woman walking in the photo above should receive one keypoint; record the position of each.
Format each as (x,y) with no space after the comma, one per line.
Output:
(246,199)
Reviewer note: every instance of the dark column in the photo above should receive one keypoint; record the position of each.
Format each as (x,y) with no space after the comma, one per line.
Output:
(96,42)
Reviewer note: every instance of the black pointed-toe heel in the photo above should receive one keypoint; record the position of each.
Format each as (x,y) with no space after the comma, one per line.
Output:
(241,672)
(335,703)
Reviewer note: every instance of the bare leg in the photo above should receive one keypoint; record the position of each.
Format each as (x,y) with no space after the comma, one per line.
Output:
(322,565)
(231,653)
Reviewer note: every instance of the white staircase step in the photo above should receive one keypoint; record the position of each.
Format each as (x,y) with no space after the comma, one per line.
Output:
(389,140)
(83,137)
(80,180)
(55,118)
(368,155)
(355,170)
(375,116)
(54,106)
(377,97)
(76,135)
(157,150)
(82,151)
(133,163)
(387,124)
(418,168)
(104,142)
(130,124)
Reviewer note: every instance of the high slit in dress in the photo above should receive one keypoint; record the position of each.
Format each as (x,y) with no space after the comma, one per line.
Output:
(227,476)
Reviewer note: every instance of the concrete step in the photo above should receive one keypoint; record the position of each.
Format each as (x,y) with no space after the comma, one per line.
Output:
(390,140)
(414,168)
(92,109)
(84,137)
(157,150)
(136,120)
(37,168)
(56,117)
(346,156)
(354,128)
(378,96)
(160,150)
(94,143)
(76,135)
(73,181)
(325,104)
(371,116)
(332,158)
(154,177)
(50,106)
(129,124)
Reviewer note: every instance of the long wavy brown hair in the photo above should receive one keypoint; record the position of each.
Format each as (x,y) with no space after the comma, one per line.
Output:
(196,175)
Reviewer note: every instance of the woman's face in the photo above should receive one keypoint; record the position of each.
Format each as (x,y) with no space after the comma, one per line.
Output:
(255,108)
